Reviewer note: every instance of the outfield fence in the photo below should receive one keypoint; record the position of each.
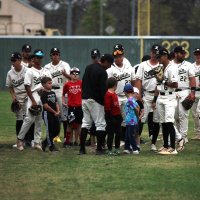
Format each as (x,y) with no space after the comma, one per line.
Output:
(76,49)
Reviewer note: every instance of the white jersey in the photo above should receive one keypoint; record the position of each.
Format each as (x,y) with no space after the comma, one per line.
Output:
(15,80)
(123,75)
(56,73)
(33,78)
(24,64)
(197,73)
(185,71)
(148,82)
(170,75)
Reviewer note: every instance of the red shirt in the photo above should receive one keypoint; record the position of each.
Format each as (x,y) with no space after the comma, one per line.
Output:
(111,103)
(74,92)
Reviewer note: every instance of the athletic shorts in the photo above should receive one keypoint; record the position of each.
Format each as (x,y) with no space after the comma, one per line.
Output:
(75,115)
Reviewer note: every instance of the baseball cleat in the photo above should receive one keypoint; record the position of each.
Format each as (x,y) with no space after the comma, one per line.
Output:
(181,144)
(153,147)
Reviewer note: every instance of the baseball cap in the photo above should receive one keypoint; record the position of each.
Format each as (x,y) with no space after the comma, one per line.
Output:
(128,88)
(155,48)
(26,48)
(38,53)
(74,69)
(95,53)
(162,51)
(196,50)
(107,57)
(118,49)
(54,50)
(136,90)
(179,49)
(15,55)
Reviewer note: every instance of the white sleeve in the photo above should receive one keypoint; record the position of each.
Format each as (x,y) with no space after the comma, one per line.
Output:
(191,71)
(109,72)
(132,73)
(140,72)
(8,80)
(28,77)
(66,67)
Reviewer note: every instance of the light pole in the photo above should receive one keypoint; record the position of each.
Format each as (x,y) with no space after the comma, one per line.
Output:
(133,18)
(101,18)
(69,17)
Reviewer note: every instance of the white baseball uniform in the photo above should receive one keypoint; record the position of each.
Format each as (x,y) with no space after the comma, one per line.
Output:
(185,71)
(148,84)
(15,80)
(166,101)
(196,106)
(123,75)
(59,79)
(33,78)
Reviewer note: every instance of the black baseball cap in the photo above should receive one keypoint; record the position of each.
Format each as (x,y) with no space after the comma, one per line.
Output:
(54,50)
(161,51)
(38,53)
(118,47)
(155,48)
(179,49)
(196,50)
(95,53)
(15,55)
(26,48)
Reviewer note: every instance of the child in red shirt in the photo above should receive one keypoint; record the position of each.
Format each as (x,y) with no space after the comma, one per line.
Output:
(113,116)
(73,89)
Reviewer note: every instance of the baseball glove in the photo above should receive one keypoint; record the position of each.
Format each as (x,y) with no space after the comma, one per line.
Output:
(15,106)
(187,103)
(157,73)
(35,110)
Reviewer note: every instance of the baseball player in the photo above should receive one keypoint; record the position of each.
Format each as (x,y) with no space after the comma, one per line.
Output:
(32,82)
(186,87)
(123,72)
(60,71)
(196,106)
(165,100)
(146,83)
(26,55)
(15,83)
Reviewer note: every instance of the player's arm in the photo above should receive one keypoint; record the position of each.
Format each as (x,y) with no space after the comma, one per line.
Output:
(193,87)
(153,105)
(29,93)
(63,95)
(12,92)
(66,75)
(171,84)
(138,84)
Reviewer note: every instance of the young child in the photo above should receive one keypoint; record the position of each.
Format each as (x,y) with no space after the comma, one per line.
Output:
(73,89)
(131,120)
(51,114)
(113,116)
(141,113)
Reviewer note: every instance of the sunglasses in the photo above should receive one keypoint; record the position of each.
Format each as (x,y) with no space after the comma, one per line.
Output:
(55,54)
(118,52)
(75,73)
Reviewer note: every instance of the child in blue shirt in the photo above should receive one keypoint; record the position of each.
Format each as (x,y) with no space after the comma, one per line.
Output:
(131,120)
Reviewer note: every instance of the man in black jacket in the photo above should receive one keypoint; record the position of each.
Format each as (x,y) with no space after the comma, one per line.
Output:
(93,91)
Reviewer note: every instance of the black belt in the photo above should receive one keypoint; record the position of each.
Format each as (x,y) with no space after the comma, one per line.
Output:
(178,89)
(197,89)
(150,91)
(165,93)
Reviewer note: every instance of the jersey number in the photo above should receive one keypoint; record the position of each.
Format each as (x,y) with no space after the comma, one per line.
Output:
(183,78)
(60,80)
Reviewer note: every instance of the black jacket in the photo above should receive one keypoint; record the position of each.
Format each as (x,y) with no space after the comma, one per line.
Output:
(94,83)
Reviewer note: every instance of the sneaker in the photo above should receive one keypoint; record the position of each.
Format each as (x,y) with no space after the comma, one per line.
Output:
(172,151)
(136,152)
(53,149)
(38,147)
(161,148)
(181,143)
(122,143)
(186,140)
(57,139)
(126,151)
(196,137)
(164,151)
(14,146)
(153,147)
(20,145)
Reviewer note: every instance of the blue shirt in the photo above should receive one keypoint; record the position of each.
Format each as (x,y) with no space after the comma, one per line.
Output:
(131,116)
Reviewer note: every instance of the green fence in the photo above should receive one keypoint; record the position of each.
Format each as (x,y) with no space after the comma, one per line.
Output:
(76,50)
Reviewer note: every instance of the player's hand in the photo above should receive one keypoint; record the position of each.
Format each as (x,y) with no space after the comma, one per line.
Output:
(57,113)
(192,96)
(64,104)
(34,103)
(153,106)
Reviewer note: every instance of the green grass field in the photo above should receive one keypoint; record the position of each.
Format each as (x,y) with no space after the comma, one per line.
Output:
(31,175)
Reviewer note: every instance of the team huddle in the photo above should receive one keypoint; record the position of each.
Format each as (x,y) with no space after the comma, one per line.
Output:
(111,103)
